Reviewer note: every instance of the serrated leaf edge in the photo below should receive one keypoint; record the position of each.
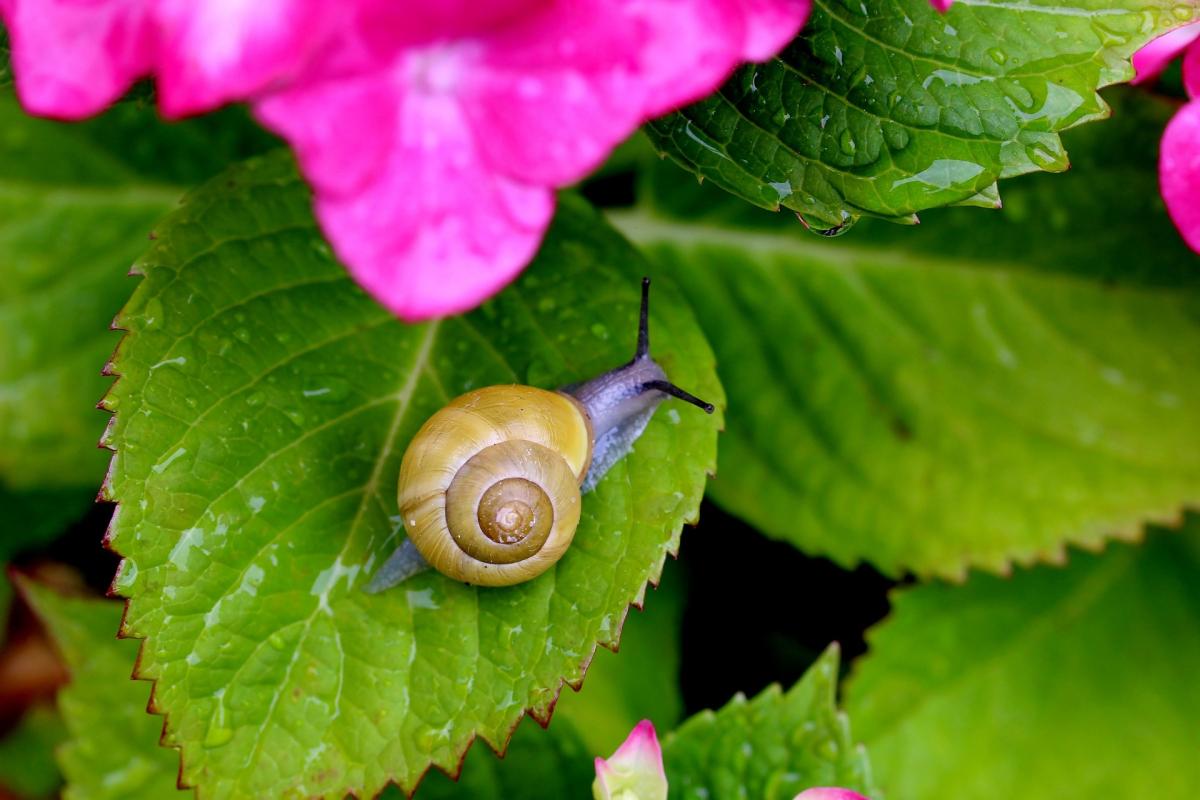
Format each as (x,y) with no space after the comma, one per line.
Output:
(106,494)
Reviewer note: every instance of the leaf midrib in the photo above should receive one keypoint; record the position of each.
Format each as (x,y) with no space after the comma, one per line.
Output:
(403,396)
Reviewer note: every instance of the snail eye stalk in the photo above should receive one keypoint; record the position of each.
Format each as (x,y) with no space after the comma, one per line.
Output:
(666,387)
(643,340)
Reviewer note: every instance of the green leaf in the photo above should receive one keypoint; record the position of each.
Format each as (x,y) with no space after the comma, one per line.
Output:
(538,764)
(1062,684)
(980,390)
(621,689)
(887,108)
(76,205)
(27,766)
(771,747)
(111,750)
(5,68)
(34,518)
(264,404)
(640,682)
(38,515)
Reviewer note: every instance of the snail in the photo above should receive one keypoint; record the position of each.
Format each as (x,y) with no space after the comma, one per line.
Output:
(490,487)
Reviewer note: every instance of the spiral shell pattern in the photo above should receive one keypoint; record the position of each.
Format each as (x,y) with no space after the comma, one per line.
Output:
(489,486)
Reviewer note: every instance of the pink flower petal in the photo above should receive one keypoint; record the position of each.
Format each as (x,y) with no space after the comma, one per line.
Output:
(1154,57)
(771,25)
(71,58)
(635,770)
(438,199)
(1179,172)
(941,5)
(433,134)
(1191,70)
(553,95)
(213,52)
(401,192)
(828,793)
(386,23)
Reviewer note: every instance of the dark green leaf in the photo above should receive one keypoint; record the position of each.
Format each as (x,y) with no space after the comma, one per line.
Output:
(111,749)
(27,765)
(980,390)
(76,205)
(771,747)
(36,516)
(539,764)
(5,69)
(1060,684)
(887,108)
(640,682)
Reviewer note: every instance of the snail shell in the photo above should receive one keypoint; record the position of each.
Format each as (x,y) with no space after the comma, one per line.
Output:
(489,486)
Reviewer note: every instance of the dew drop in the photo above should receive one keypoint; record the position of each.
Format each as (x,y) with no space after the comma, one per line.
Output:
(599,330)
(1044,157)
(326,389)
(321,248)
(847,143)
(126,577)
(821,228)
(255,399)
(153,312)
(895,135)
(219,732)
(997,55)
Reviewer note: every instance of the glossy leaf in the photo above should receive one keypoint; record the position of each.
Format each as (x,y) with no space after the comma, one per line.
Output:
(550,764)
(111,749)
(76,205)
(981,390)
(262,411)
(639,682)
(771,747)
(538,764)
(1060,684)
(888,108)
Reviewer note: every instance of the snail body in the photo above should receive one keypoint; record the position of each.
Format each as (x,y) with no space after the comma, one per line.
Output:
(490,489)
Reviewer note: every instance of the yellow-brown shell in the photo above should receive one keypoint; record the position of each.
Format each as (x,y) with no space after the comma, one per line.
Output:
(489,486)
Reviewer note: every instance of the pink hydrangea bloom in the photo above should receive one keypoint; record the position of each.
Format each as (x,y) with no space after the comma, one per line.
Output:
(433,134)
(635,771)
(1179,154)
(828,793)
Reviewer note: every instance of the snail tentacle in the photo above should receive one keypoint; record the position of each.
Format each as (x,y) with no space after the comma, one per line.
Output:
(621,402)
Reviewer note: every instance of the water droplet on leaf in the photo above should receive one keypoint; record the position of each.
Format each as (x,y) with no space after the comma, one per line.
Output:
(847,143)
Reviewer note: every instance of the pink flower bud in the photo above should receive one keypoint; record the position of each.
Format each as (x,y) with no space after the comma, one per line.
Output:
(635,771)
